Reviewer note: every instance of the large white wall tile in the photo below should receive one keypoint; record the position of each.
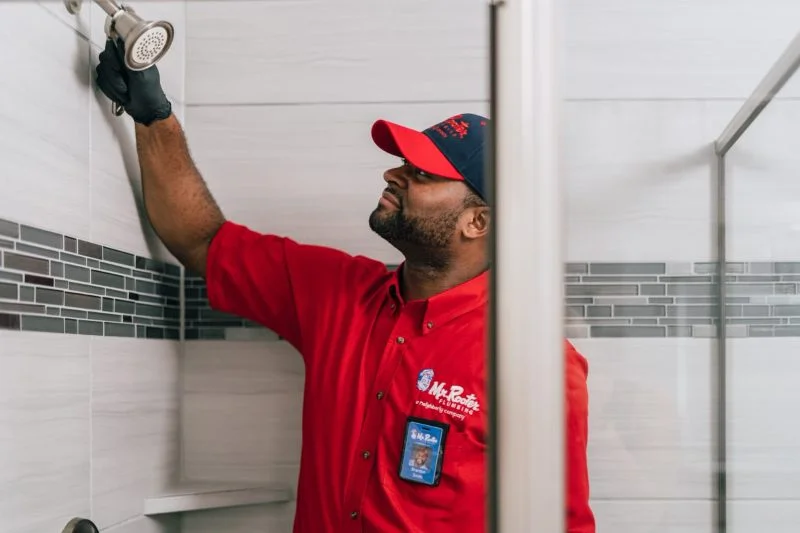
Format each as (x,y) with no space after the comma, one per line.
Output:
(44,109)
(135,424)
(763,443)
(643,516)
(45,436)
(161,524)
(713,49)
(277,518)
(308,172)
(639,179)
(763,516)
(79,22)
(118,215)
(649,413)
(336,50)
(242,410)
(763,192)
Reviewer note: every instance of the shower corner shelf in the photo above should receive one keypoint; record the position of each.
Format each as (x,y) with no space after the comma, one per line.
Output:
(198,496)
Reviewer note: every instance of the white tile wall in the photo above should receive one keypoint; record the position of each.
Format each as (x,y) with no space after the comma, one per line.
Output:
(135,424)
(650,413)
(162,524)
(639,179)
(648,516)
(763,442)
(663,49)
(44,141)
(276,518)
(46,436)
(763,190)
(336,51)
(242,409)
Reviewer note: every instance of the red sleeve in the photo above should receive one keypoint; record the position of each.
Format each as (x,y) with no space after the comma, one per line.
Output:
(272,280)
(580,518)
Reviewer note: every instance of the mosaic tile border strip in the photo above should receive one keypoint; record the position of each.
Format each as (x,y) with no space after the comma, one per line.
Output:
(58,284)
(621,300)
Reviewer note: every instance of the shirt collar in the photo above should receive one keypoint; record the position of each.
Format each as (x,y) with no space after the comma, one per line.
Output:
(445,306)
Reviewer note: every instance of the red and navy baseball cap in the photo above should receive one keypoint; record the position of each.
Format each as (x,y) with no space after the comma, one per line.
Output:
(453,148)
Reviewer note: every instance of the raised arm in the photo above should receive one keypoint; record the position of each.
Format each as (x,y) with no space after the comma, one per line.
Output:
(178,203)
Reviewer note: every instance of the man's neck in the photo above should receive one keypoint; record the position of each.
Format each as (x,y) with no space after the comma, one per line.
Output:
(420,282)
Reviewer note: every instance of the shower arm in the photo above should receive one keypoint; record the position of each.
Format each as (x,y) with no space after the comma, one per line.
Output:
(109,6)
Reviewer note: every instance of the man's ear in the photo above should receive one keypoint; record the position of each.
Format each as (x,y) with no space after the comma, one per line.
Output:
(477,222)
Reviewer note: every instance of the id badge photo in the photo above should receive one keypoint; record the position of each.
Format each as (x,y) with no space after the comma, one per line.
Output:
(423,451)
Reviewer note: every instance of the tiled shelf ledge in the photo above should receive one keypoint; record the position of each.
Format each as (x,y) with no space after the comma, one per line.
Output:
(187,497)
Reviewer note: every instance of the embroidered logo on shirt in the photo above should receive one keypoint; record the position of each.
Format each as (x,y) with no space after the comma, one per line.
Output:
(424,379)
(451,399)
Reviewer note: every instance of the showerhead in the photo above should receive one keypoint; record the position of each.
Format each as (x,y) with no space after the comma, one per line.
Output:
(145,42)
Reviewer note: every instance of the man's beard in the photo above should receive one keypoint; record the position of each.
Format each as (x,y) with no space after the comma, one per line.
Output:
(426,239)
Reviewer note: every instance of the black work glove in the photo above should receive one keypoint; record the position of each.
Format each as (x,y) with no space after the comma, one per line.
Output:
(139,92)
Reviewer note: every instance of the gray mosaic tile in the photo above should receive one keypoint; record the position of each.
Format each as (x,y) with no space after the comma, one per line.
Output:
(26,263)
(9,321)
(653,290)
(107,279)
(44,324)
(70,244)
(117,269)
(27,294)
(49,296)
(90,327)
(36,250)
(71,258)
(6,244)
(89,249)
(601,290)
(70,326)
(9,229)
(120,330)
(14,307)
(9,291)
(10,276)
(639,310)
(83,301)
(40,236)
(627,268)
(627,331)
(117,256)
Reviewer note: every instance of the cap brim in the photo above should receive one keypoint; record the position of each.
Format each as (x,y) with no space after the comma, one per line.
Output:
(413,146)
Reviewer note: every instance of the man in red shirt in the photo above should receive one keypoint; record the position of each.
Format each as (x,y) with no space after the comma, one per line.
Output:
(395,413)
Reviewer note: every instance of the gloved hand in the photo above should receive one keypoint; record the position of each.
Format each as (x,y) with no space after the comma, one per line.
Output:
(139,92)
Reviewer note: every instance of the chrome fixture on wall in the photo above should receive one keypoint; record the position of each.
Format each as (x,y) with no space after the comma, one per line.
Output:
(145,42)
(80,525)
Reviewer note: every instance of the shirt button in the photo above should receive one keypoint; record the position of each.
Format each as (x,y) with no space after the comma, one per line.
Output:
(354,515)
(365,455)
(392,307)
(400,340)
(379,395)
(430,325)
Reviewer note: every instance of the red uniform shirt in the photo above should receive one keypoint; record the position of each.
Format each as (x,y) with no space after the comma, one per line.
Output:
(373,360)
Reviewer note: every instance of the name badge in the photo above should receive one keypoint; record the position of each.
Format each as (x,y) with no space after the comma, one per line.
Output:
(423,451)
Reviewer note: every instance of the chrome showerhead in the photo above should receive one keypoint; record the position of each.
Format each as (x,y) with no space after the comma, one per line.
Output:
(145,42)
